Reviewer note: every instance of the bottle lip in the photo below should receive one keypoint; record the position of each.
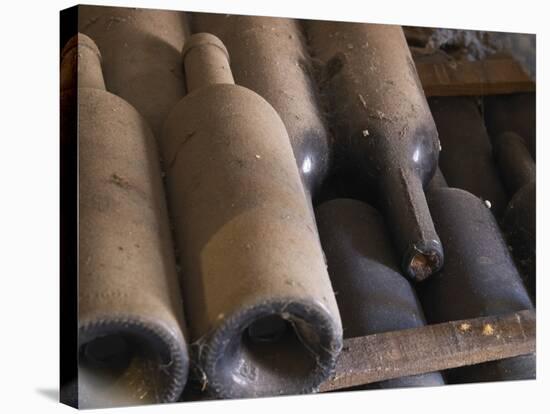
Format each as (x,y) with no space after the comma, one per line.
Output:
(80,40)
(221,353)
(422,259)
(171,340)
(203,39)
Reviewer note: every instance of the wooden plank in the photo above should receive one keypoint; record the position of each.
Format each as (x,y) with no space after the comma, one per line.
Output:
(431,348)
(484,77)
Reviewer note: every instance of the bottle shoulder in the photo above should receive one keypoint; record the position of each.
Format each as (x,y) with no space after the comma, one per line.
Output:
(214,102)
(100,104)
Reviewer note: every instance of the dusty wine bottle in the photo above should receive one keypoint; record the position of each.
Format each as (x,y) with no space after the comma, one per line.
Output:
(262,315)
(131,346)
(372,295)
(467,155)
(519,220)
(383,129)
(479,279)
(141,56)
(275,64)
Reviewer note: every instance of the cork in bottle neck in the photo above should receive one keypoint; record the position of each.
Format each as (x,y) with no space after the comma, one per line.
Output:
(81,64)
(205,62)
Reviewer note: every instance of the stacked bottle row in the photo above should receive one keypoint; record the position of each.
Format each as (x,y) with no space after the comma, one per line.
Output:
(498,169)
(489,150)
(362,76)
(241,218)
(248,132)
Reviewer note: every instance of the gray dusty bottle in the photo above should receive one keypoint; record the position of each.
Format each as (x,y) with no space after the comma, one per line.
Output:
(262,314)
(131,344)
(268,56)
(466,157)
(372,295)
(515,112)
(519,221)
(141,56)
(383,129)
(479,279)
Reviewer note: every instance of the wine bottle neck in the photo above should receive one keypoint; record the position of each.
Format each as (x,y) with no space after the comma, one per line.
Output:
(205,62)
(409,219)
(81,64)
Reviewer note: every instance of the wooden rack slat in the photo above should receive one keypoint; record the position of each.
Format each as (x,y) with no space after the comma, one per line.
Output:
(464,78)
(431,348)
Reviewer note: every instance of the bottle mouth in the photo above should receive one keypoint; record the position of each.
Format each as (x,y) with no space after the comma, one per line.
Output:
(80,40)
(423,259)
(270,349)
(110,352)
(269,329)
(201,40)
(128,363)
